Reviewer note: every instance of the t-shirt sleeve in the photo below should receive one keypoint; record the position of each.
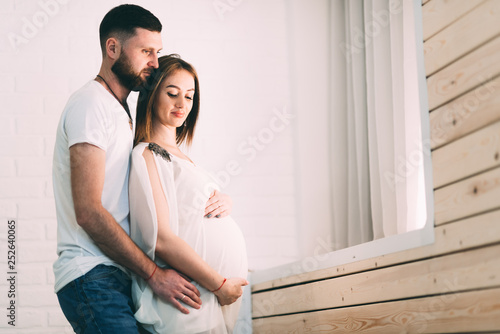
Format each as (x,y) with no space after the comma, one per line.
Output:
(86,122)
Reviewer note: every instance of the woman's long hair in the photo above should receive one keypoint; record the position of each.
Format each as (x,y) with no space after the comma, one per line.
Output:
(167,65)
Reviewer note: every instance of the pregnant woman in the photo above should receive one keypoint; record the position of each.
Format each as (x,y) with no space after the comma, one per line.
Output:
(178,215)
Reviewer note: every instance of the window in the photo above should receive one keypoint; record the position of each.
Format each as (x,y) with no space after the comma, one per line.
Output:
(363,153)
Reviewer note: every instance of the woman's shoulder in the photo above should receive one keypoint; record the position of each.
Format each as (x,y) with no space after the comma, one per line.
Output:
(159,151)
(154,148)
(139,149)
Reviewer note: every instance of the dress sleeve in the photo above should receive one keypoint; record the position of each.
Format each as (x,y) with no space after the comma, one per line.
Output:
(143,219)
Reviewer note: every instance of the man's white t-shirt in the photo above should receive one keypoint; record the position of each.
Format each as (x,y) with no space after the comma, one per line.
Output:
(92,115)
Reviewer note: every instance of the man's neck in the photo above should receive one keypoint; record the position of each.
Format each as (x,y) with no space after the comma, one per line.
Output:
(109,80)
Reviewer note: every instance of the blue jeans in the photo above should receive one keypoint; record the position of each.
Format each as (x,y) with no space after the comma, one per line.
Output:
(99,302)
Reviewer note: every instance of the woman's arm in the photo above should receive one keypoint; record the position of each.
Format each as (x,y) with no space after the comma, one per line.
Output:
(87,182)
(179,254)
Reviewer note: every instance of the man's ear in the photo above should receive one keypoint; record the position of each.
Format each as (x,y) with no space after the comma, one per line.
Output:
(113,48)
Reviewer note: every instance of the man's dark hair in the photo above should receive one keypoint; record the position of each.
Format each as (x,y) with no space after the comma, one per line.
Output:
(122,21)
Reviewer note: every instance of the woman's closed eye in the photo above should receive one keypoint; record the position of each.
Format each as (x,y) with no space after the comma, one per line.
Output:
(175,95)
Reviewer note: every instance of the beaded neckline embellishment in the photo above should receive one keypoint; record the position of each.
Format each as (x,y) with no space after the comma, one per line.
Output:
(158,150)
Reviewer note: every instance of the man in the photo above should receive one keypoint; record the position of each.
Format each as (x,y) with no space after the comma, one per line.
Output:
(90,174)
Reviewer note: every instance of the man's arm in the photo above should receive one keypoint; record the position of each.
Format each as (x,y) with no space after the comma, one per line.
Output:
(87,181)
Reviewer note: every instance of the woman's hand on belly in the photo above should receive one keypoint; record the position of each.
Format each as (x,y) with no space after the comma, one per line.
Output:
(218,205)
(231,290)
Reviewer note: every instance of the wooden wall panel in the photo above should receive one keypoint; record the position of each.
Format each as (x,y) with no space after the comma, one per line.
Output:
(438,14)
(466,114)
(449,313)
(469,155)
(469,197)
(462,37)
(456,272)
(465,74)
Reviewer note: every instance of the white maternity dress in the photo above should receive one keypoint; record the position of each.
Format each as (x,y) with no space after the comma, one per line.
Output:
(218,241)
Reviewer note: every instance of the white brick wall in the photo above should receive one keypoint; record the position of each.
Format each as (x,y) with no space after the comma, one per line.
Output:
(240,51)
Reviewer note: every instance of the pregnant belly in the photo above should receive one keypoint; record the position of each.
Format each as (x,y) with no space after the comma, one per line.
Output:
(225,248)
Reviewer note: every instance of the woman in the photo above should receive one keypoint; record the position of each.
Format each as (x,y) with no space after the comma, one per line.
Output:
(169,217)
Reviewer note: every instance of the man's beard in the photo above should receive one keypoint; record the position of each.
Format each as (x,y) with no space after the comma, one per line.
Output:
(126,75)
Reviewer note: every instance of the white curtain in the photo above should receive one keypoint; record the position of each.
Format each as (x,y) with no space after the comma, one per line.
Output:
(376,147)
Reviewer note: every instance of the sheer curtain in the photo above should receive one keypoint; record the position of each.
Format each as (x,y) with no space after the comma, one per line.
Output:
(376,139)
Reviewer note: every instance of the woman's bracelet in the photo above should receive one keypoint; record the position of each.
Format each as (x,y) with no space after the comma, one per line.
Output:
(224,281)
(156,267)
